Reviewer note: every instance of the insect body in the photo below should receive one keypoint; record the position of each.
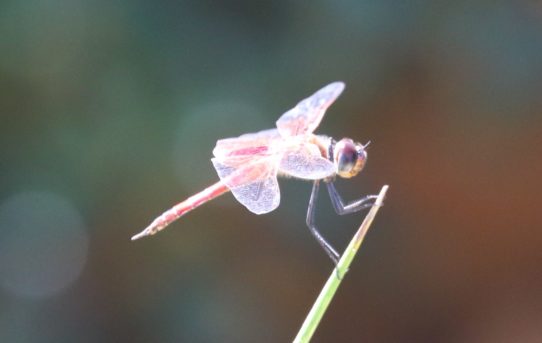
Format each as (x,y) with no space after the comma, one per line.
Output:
(248,165)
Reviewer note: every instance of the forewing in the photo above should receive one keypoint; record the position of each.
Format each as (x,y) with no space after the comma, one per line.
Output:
(253,183)
(247,144)
(307,115)
(306,162)
(259,197)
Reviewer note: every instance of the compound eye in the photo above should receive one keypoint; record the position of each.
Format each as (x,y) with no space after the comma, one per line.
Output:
(350,158)
(347,158)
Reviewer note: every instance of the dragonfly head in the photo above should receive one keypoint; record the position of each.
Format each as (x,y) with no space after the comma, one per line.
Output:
(349,157)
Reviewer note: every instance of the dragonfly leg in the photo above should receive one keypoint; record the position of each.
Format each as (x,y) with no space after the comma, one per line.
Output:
(333,255)
(351,207)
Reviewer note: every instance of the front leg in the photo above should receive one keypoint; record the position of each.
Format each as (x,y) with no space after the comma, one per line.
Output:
(333,255)
(354,206)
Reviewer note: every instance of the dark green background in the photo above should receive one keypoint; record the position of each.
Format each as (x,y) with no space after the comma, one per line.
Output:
(109,113)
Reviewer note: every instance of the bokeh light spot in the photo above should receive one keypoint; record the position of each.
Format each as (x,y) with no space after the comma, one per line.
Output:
(202,126)
(43,244)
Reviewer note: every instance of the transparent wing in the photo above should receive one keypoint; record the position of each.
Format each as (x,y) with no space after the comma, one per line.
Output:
(252,182)
(306,116)
(247,144)
(306,162)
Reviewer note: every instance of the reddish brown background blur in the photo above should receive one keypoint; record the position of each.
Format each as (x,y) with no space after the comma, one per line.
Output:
(109,113)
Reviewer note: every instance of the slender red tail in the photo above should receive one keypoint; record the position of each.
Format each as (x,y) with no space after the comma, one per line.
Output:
(182,208)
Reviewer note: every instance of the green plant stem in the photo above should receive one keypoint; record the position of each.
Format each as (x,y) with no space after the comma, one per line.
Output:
(326,295)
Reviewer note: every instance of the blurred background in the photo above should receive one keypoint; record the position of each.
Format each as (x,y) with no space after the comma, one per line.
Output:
(109,114)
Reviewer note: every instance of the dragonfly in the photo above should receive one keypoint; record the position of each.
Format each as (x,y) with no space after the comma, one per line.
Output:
(248,166)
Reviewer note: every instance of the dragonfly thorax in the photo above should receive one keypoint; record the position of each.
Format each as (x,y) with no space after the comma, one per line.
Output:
(349,157)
